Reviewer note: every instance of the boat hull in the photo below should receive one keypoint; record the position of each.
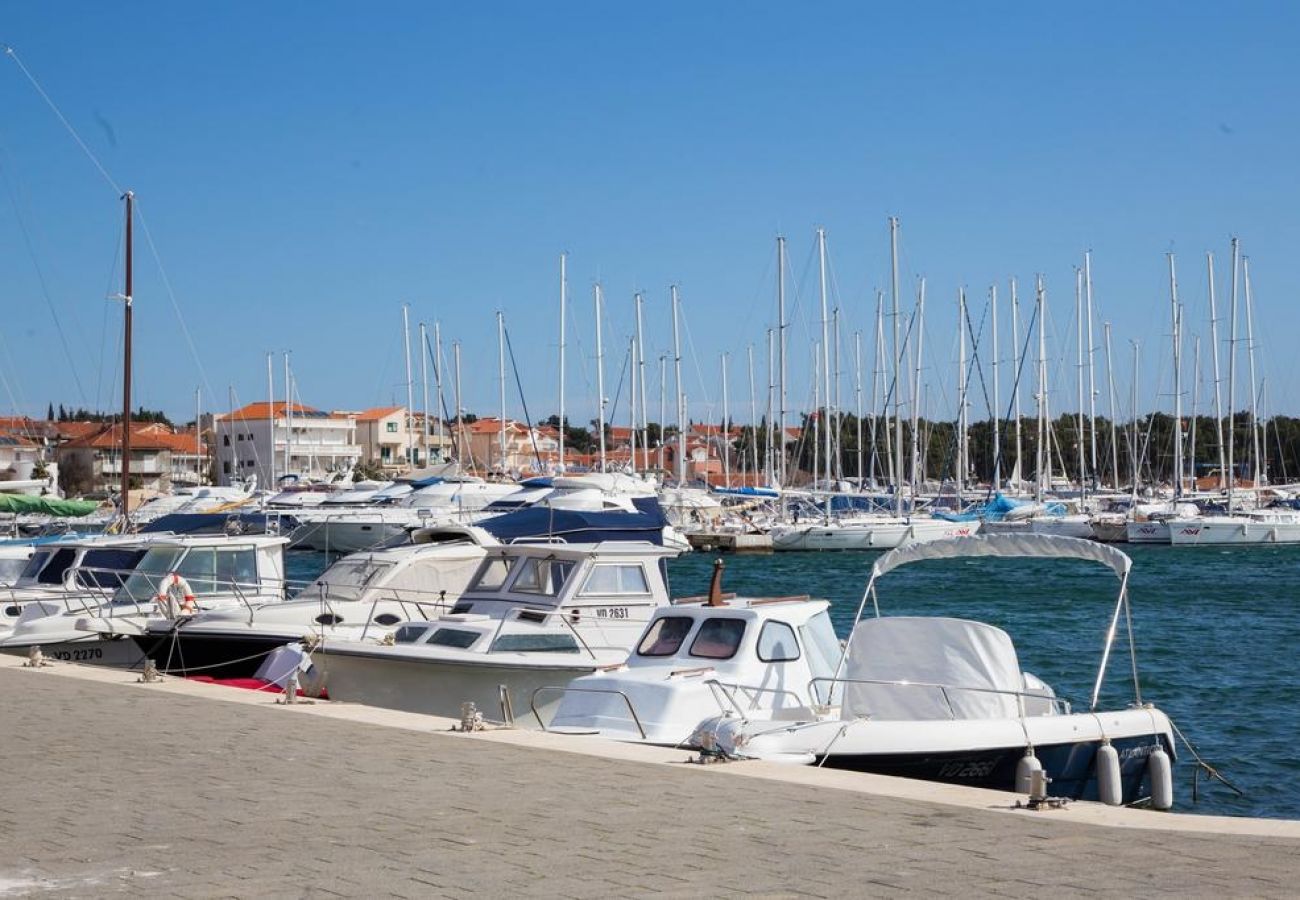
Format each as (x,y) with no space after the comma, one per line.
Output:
(868,535)
(217,656)
(92,650)
(1225,530)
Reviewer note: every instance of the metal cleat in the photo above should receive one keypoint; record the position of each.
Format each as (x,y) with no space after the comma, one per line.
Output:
(150,675)
(35,658)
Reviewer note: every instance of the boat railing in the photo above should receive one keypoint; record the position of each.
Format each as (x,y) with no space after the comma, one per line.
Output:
(565,689)
(1059,705)
(91,588)
(413,610)
(728,690)
(533,612)
(117,601)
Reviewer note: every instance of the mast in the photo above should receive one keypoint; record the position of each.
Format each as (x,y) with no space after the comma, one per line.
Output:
(880,394)
(270,414)
(961,393)
(1232,375)
(770,444)
(600,376)
(129,197)
(410,386)
(663,405)
(564,290)
(1015,384)
(753,415)
(1258,467)
(632,373)
(1214,355)
(1133,405)
(781,326)
(825,358)
(918,469)
(1114,421)
(460,409)
(645,421)
(857,391)
(1196,399)
(501,384)
(681,405)
(1078,336)
(725,431)
(1042,451)
(1092,367)
(1178,382)
(437,377)
(198,437)
(898,363)
(997,401)
(424,384)
(288,418)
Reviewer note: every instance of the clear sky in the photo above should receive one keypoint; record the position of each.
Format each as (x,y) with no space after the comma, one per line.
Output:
(304,169)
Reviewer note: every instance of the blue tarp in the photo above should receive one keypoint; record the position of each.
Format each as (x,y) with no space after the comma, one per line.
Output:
(222,523)
(581,526)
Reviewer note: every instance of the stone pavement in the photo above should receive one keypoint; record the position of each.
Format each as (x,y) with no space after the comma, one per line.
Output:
(116,789)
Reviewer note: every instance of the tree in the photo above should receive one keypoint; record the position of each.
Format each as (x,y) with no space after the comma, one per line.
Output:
(49,415)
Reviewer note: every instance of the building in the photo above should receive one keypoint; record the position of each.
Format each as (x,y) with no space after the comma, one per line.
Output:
(272,440)
(478,445)
(92,462)
(387,433)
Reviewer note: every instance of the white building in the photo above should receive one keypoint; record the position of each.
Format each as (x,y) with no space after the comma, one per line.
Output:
(271,440)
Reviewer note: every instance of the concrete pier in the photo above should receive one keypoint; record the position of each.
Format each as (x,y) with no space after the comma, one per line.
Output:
(111,787)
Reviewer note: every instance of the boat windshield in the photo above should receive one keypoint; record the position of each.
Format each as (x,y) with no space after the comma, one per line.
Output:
(492,573)
(53,573)
(542,576)
(347,579)
(208,570)
(108,568)
(35,564)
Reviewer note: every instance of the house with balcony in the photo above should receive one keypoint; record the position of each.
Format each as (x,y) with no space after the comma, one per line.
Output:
(92,463)
(388,434)
(273,441)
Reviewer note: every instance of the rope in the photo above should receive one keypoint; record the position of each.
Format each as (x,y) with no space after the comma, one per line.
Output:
(1202,764)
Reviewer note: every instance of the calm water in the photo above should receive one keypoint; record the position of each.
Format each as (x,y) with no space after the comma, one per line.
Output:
(1217,634)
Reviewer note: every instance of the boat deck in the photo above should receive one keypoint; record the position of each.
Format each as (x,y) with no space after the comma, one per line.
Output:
(193,790)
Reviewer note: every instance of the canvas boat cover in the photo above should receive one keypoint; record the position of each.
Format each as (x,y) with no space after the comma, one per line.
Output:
(1043,546)
(22,503)
(971,659)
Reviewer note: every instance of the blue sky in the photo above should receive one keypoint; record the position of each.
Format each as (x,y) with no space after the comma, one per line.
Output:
(305,169)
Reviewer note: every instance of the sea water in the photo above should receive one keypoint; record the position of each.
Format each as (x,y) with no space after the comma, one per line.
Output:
(1216,632)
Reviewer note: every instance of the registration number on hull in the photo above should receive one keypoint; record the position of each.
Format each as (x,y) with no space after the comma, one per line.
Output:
(81,654)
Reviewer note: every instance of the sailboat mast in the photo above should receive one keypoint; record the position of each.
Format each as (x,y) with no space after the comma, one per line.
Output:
(410,385)
(1042,451)
(645,419)
(288,418)
(1092,367)
(564,292)
(898,363)
(460,409)
(857,403)
(961,394)
(781,350)
(600,377)
(663,406)
(1258,467)
(753,415)
(1178,382)
(126,362)
(880,395)
(725,430)
(1214,355)
(918,468)
(1232,375)
(681,405)
(1133,406)
(1078,354)
(632,374)
(1114,421)
(1196,399)
(270,415)
(771,443)
(437,377)
(424,385)
(997,401)
(1015,384)
(825,409)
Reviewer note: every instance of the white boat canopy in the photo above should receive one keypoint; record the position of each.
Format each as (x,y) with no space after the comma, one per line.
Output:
(1007,545)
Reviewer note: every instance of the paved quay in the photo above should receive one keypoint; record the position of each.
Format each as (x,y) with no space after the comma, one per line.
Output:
(186,790)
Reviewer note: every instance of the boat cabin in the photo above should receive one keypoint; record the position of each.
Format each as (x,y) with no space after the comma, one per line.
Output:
(247,568)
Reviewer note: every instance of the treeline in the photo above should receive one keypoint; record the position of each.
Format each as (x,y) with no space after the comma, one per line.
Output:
(86,415)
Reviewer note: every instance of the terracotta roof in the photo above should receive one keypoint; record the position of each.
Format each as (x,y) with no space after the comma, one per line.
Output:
(379,412)
(264,409)
(77,429)
(492,426)
(152,436)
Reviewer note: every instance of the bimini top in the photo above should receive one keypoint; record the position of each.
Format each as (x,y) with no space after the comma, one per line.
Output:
(1007,545)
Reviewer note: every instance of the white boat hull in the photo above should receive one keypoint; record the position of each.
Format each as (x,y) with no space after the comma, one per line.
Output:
(884,535)
(1221,530)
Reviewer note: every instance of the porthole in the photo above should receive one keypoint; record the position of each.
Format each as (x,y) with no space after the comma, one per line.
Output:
(329,619)
(387,619)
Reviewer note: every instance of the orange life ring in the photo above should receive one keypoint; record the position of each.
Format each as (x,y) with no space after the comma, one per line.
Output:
(174,586)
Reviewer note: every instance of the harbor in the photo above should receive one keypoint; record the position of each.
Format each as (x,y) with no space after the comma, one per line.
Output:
(191,790)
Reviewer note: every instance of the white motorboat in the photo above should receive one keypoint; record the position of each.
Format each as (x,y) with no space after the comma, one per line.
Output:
(363,596)
(868,533)
(177,576)
(534,614)
(938,698)
(1261,526)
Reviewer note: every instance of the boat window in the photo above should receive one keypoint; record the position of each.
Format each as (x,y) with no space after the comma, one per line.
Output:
(144,582)
(823,648)
(410,634)
(10,569)
(534,643)
(492,573)
(777,643)
(347,579)
(35,564)
(53,573)
(108,568)
(718,638)
(542,576)
(215,571)
(454,637)
(665,635)
(616,578)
